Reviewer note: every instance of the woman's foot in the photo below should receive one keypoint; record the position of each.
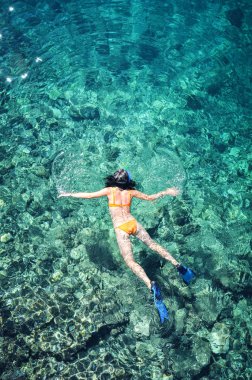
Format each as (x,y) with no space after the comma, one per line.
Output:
(158,301)
(186,273)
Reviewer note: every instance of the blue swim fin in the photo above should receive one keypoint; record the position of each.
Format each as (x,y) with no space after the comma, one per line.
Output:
(186,273)
(158,301)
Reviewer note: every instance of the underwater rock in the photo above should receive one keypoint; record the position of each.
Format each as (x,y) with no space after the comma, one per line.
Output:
(237,363)
(25,220)
(141,324)
(40,171)
(56,276)
(54,93)
(202,351)
(3,274)
(91,81)
(85,113)
(209,302)
(5,237)
(219,338)
(189,229)
(148,52)
(214,89)
(166,233)
(242,315)
(2,203)
(103,49)
(234,275)
(14,374)
(145,349)
(19,201)
(180,317)
(235,17)
(193,102)
(78,252)
(185,364)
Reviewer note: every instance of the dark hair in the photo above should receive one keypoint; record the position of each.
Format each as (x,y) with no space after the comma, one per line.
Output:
(121,178)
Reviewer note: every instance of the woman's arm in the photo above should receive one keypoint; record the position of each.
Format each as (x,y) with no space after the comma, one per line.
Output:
(95,194)
(173,191)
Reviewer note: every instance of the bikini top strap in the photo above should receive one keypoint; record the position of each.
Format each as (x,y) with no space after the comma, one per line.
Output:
(113,195)
(130,196)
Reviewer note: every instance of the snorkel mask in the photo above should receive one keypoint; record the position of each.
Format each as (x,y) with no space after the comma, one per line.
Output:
(124,181)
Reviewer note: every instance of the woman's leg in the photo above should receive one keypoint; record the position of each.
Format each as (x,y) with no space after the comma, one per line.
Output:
(143,235)
(124,243)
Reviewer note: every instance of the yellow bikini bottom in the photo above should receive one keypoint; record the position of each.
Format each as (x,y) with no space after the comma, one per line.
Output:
(129,227)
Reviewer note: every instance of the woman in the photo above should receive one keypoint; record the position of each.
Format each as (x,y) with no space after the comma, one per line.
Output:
(120,189)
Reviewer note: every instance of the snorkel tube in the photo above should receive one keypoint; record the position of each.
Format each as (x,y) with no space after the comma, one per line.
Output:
(129,176)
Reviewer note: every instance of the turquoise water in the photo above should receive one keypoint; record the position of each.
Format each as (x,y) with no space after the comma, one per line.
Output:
(162,88)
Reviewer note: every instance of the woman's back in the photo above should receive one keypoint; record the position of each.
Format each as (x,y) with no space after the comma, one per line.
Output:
(119,205)
(119,198)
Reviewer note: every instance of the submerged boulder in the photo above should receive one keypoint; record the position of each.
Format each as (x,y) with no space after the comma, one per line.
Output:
(219,338)
(85,113)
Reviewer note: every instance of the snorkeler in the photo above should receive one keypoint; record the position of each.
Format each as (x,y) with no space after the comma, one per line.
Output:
(120,189)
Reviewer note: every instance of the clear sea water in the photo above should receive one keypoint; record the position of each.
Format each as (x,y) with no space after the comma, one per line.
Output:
(162,88)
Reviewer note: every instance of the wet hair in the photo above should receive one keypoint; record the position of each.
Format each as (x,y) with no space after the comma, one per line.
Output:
(121,178)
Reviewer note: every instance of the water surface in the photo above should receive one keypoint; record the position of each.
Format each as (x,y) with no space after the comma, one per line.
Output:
(162,88)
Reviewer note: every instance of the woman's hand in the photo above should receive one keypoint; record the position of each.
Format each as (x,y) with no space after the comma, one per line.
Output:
(173,191)
(63,194)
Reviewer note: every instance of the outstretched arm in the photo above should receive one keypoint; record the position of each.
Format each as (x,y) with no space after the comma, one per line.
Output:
(96,194)
(172,191)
